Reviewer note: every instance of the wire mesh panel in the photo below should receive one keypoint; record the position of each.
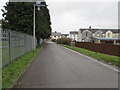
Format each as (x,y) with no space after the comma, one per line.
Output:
(5,47)
(14,45)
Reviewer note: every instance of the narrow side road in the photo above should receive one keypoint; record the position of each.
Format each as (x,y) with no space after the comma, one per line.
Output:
(58,67)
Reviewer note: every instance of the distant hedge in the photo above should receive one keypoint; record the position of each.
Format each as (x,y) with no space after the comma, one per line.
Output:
(66,41)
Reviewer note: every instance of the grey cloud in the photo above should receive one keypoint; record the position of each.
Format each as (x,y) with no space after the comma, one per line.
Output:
(67,16)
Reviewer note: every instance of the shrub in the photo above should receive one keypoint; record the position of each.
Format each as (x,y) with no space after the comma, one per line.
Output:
(66,41)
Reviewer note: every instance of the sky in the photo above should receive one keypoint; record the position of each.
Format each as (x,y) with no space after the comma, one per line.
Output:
(71,15)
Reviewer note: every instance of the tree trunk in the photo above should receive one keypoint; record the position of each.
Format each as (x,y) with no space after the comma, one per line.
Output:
(38,42)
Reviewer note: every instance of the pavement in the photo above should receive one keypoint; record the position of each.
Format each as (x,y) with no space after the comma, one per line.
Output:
(59,67)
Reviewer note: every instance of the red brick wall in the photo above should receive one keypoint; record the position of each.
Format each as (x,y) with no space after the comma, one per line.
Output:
(101,48)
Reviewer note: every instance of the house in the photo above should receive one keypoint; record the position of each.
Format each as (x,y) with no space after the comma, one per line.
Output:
(88,34)
(55,35)
(64,35)
(74,35)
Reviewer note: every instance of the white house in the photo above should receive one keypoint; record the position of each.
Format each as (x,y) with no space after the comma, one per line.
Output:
(64,35)
(87,35)
(57,35)
(74,35)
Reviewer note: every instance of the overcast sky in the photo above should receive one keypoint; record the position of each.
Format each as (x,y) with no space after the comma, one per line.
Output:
(70,15)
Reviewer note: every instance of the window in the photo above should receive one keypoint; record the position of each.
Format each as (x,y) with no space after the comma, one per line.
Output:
(118,42)
(108,34)
(109,42)
(98,35)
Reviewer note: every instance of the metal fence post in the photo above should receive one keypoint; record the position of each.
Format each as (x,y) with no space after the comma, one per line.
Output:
(10,46)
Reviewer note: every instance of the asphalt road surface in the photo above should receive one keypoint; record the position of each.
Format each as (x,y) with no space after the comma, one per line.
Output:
(58,67)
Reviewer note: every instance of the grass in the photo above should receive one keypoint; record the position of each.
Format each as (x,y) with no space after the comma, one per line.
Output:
(104,57)
(12,71)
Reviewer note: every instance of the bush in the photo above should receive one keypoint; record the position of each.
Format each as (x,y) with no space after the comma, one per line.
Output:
(66,41)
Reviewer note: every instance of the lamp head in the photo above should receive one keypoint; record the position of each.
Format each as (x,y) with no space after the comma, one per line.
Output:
(38,3)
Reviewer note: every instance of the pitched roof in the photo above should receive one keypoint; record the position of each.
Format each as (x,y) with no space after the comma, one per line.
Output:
(65,34)
(73,32)
(115,30)
(103,30)
(56,34)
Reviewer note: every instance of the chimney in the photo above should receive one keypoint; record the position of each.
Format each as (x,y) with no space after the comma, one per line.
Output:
(89,27)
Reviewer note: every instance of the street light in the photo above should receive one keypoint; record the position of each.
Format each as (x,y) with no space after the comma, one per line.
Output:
(38,4)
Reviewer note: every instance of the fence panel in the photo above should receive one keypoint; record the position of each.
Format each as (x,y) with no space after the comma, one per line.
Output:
(101,48)
(14,45)
(5,47)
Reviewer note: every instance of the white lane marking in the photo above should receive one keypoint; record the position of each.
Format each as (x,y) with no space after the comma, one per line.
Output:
(108,66)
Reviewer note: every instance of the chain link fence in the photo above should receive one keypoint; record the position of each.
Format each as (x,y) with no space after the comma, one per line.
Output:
(14,44)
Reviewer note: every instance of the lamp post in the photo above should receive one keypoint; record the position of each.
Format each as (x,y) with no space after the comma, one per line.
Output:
(38,4)
(34,27)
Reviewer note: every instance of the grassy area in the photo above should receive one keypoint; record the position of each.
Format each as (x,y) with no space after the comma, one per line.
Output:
(11,72)
(107,58)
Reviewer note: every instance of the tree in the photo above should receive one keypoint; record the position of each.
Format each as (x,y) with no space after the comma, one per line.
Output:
(18,16)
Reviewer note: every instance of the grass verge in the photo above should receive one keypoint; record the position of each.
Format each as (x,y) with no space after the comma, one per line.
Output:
(12,71)
(104,57)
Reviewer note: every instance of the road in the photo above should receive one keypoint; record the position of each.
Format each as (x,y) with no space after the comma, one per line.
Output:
(58,67)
